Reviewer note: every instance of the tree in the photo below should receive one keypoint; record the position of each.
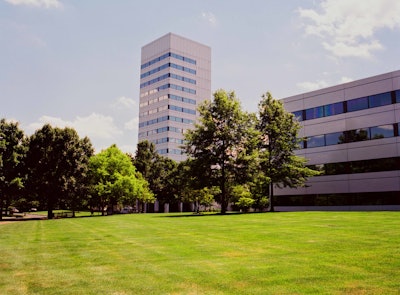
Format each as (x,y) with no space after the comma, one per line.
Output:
(242,197)
(159,171)
(220,147)
(12,153)
(145,158)
(78,152)
(163,183)
(114,179)
(57,162)
(202,197)
(277,145)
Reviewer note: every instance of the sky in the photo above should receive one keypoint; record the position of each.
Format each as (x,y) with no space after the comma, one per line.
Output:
(76,63)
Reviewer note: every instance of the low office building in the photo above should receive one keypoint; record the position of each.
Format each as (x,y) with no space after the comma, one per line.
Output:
(352,138)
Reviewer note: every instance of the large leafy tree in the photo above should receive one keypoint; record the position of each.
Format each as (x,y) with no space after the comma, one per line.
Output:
(164,183)
(145,159)
(12,153)
(114,179)
(278,142)
(77,152)
(57,162)
(221,145)
(159,171)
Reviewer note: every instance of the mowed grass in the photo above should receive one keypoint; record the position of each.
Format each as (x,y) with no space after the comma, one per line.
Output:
(270,253)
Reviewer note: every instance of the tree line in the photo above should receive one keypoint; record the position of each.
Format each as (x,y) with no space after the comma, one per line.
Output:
(234,157)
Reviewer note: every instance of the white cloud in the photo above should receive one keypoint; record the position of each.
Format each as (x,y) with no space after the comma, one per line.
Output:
(345,80)
(348,27)
(95,126)
(100,129)
(37,3)
(131,149)
(310,86)
(132,124)
(124,103)
(209,17)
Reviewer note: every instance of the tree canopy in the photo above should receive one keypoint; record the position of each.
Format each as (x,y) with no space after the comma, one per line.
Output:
(277,144)
(234,157)
(12,154)
(57,162)
(221,144)
(114,179)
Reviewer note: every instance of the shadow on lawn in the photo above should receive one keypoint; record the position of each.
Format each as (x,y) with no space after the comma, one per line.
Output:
(183,215)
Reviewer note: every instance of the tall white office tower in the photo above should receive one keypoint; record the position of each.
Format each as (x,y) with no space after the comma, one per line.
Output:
(175,77)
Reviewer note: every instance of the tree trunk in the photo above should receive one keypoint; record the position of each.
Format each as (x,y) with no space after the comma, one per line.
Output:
(50,213)
(224,202)
(271,196)
(1,208)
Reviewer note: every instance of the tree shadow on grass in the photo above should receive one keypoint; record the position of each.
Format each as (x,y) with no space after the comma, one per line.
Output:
(184,215)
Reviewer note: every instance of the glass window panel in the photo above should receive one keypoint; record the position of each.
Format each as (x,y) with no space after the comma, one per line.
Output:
(313,113)
(378,100)
(398,96)
(316,141)
(334,138)
(318,167)
(357,104)
(334,109)
(382,131)
(336,168)
(298,115)
(357,135)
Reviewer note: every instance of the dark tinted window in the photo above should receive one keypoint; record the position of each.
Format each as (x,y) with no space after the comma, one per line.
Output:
(313,113)
(298,115)
(357,104)
(380,100)
(315,141)
(333,138)
(357,135)
(398,96)
(334,109)
(382,131)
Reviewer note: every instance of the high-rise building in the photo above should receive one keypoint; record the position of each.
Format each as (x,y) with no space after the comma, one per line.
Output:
(353,139)
(175,77)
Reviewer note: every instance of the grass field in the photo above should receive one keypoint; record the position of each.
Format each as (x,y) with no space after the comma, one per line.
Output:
(272,253)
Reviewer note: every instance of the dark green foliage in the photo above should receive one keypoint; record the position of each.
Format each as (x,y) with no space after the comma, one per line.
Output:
(57,162)
(159,171)
(278,142)
(221,145)
(12,154)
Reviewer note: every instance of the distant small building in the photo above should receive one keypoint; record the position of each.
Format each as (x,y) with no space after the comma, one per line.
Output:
(352,132)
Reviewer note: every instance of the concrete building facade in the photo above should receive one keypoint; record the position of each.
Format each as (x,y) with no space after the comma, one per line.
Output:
(352,133)
(175,77)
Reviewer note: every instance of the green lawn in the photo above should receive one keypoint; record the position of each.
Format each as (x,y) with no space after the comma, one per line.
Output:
(271,253)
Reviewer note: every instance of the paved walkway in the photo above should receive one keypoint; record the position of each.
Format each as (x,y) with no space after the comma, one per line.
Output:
(23,217)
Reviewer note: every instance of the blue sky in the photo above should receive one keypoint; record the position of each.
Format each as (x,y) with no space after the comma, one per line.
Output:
(76,63)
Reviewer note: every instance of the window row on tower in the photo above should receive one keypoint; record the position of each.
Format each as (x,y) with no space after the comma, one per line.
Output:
(167,65)
(166,55)
(168,107)
(168,139)
(161,130)
(166,86)
(165,118)
(166,76)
